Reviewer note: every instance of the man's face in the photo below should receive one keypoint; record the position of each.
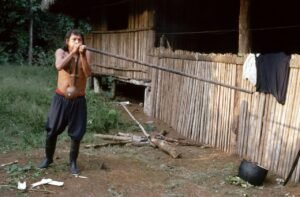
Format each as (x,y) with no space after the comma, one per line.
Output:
(73,40)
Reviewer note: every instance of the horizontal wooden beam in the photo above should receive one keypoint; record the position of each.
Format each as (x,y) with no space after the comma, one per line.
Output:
(146,83)
(142,82)
(229,59)
(120,68)
(123,31)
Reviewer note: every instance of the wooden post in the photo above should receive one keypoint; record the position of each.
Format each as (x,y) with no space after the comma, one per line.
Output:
(113,89)
(147,101)
(103,20)
(244,34)
(96,82)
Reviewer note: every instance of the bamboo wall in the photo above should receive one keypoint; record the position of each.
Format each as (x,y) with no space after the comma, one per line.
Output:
(133,42)
(254,126)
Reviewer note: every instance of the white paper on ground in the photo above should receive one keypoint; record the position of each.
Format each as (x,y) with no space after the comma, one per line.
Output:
(79,176)
(42,182)
(56,183)
(22,186)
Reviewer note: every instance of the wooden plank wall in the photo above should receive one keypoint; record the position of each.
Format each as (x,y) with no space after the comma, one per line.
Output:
(254,126)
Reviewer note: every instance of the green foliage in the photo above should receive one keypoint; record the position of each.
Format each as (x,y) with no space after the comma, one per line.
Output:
(18,173)
(14,28)
(43,58)
(235,180)
(48,31)
(26,93)
(102,115)
(4,56)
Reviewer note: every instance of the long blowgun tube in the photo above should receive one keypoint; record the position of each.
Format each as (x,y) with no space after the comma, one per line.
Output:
(167,70)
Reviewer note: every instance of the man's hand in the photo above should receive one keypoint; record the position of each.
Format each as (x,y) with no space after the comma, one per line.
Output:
(82,49)
(75,48)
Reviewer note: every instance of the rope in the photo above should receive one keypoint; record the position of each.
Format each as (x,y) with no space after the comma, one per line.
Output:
(167,70)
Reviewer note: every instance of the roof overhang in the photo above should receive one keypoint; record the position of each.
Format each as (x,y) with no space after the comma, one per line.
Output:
(76,8)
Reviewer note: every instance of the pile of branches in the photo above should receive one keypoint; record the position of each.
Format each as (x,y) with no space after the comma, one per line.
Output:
(157,140)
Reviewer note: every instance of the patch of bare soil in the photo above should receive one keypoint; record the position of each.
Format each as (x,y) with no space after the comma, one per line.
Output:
(142,171)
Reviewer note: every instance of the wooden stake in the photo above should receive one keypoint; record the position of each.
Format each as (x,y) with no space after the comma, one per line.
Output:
(10,163)
(137,122)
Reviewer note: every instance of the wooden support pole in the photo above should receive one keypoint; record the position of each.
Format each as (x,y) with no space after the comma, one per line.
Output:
(292,169)
(96,84)
(244,33)
(147,101)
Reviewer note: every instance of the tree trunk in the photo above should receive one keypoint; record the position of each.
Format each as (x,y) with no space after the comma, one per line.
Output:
(30,35)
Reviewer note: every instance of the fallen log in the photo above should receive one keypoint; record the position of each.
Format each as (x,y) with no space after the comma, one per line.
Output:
(179,141)
(113,137)
(153,142)
(106,144)
(124,134)
(165,147)
(133,138)
(136,141)
(138,144)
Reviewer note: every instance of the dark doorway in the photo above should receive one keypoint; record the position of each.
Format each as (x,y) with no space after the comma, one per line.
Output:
(130,92)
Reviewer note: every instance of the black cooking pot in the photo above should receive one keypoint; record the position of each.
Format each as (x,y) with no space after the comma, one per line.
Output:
(252,173)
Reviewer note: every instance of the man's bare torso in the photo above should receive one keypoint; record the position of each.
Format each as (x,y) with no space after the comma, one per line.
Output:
(67,77)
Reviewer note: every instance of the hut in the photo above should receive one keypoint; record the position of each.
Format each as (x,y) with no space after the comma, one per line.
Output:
(197,50)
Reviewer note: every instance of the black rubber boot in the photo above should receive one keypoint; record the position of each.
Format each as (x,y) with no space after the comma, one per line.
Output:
(74,151)
(49,150)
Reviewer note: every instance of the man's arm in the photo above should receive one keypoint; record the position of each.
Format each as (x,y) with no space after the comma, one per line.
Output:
(85,60)
(62,60)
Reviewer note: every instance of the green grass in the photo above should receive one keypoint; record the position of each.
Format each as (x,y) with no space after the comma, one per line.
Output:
(25,95)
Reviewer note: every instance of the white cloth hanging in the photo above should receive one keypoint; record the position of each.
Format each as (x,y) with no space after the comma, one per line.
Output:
(249,68)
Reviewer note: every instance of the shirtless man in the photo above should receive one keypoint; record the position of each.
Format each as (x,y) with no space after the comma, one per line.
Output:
(68,107)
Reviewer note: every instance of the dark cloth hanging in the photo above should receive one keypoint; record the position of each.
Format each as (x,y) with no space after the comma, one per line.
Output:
(273,74)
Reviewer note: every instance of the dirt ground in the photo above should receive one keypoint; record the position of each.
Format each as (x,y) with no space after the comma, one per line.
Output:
(120,171)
